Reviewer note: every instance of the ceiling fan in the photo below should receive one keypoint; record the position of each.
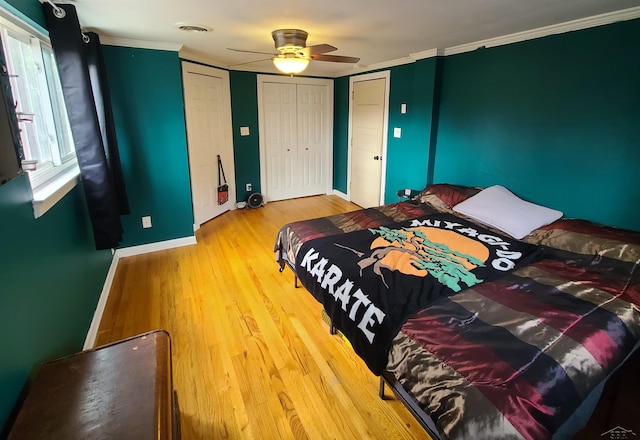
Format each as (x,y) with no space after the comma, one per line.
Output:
(292,53)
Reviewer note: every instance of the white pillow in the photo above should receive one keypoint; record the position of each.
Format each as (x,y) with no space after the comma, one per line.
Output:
(496,206)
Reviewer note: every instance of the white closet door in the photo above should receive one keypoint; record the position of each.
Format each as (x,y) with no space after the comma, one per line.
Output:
(208,118)
(312,140)
(281,137)
(296,136)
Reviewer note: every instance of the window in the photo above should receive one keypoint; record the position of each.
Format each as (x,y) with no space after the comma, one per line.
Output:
(42,116)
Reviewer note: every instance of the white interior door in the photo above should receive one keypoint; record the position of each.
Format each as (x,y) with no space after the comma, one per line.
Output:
(208,117)
(368,140)
(296,142)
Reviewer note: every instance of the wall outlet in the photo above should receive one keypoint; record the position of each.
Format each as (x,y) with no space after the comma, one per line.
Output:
(248,187)
(146,221)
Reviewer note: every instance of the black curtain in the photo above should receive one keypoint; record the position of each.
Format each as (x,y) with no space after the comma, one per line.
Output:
(86,95)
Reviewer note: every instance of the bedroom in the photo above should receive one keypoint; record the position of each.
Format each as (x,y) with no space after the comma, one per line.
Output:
(583,91)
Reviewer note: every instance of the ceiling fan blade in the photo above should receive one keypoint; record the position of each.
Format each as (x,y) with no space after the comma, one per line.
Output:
(250,51)
(249,62)
(318,49)
(335,58)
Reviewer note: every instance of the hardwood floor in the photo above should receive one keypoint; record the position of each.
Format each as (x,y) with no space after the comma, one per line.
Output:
(252,357)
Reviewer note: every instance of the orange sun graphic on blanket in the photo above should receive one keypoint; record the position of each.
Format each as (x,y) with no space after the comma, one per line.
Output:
(421,250)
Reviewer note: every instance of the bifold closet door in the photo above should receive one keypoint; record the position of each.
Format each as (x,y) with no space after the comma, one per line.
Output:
(312,140)
(295,139)
(280,102)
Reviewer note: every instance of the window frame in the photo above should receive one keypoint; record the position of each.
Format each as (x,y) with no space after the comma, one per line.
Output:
(53,179)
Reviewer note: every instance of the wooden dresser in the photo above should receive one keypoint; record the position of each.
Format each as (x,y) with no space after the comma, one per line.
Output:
(122,390)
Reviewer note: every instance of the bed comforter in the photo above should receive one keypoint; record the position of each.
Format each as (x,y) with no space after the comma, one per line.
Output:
(517,356)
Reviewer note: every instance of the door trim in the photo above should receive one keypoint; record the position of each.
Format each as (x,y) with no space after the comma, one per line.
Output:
(385,127)
(328,166)
(199,69)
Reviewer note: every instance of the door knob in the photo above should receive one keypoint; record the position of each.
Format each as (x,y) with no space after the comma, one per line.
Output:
(376,157)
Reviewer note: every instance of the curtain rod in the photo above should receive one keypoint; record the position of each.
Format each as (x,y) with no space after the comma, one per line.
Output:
(57,10)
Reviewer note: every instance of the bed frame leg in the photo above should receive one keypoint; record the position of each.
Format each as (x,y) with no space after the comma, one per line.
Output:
(295,281)
(332,329)
(381,391)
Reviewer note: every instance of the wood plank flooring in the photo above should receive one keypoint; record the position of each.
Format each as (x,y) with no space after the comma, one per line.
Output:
(252,357)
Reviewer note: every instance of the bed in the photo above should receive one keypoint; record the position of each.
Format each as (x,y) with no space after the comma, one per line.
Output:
(481,334)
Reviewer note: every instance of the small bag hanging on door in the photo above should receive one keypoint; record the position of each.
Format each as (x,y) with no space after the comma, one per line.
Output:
(223,188)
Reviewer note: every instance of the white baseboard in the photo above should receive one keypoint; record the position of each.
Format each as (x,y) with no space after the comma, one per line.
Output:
(106,288)
(341,195)
(153,247)
(90,340)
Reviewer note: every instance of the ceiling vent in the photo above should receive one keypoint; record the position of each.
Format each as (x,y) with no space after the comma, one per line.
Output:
(190,27)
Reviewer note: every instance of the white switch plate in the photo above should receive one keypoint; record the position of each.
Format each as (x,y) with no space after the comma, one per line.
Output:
(397,132)
(244,131)
(403,108)
(146,221)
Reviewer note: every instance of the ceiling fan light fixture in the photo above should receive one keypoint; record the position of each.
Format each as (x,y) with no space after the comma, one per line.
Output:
(289,37)
(290,63)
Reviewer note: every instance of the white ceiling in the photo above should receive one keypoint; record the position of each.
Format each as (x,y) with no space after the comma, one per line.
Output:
(378,31)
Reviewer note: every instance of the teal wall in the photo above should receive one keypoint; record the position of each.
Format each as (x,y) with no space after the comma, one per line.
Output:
(408,156)
(148,107)
(554,119)
(51,278)
(340,133)
(28,10)
(244,113)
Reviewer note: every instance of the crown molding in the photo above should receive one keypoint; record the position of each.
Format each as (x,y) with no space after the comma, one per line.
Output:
(412,58)
(425,54)
(139,44)
(560,28)
(358,68)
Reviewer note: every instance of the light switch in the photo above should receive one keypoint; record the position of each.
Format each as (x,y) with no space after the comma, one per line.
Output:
(244,131)
(397,132)
(403,108)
